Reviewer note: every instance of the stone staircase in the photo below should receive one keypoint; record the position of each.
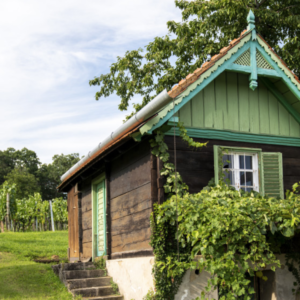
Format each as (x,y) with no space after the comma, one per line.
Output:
(85,280)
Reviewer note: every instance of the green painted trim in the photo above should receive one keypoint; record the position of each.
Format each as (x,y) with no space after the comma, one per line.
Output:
(216,163)
(286,75)
(268,73)
(281,99)
(253,77)
(247,70)
(188,95)
(281,175)
(197,86)
(239,68)
(238,137)
(136,136)
(94,185)
(261,173)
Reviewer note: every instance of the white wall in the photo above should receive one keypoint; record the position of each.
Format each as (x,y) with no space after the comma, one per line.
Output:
(192,285)
(133,276)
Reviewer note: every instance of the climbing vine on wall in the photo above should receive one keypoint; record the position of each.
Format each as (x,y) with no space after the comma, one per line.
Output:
(220,230)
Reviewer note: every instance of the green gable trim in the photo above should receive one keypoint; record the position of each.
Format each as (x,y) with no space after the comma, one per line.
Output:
(244,59)
(212,134)
(273,60)
(261,62)
(269,66)
(212,73)
(247,70)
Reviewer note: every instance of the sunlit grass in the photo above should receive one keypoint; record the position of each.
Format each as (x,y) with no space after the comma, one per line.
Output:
(21,278)
(30,245)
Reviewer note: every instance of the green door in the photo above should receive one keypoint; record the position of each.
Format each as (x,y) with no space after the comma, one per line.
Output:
(101,220)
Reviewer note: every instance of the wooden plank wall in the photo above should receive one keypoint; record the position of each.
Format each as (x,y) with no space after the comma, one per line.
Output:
(86,224)
(131,199)
(73,224)
(197,166)
(228,103)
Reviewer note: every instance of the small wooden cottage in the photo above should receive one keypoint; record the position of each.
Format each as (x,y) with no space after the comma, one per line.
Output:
(244,99)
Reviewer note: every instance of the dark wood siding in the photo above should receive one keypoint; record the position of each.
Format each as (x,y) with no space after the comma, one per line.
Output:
(197,166)
(73,225)
(131,202)
(86,212)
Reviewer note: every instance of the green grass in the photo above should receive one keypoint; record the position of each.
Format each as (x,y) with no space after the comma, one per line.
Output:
(31,245)
(20,277)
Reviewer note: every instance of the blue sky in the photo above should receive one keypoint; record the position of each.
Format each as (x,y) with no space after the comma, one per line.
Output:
(48,52)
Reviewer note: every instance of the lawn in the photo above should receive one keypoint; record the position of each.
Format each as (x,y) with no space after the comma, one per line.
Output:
(22,278)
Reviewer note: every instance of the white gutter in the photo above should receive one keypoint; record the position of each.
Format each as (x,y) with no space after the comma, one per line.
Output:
(146,112)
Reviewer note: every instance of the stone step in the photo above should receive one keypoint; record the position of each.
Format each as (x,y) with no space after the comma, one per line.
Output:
(88,282)
(94,291)
(78,266)
(77,274)
(111,297)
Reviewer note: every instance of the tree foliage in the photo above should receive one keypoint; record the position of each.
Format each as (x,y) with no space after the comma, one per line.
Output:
(12,158)
(206,27)
(25,182)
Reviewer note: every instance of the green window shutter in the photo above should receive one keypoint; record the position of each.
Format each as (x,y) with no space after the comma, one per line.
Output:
(272,174)
(217,167)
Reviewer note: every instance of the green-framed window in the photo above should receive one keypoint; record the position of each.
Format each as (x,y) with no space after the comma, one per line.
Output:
(250,169)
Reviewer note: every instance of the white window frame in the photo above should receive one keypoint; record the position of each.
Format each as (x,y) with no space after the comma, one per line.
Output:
(236,171)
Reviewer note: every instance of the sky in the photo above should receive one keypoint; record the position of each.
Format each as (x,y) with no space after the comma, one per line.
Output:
(49,50)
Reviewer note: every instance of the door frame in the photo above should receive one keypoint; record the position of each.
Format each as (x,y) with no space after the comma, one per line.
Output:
(95,183)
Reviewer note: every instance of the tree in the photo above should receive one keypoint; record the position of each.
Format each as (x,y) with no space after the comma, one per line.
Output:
(61,164)
(49,175)
(47,184)
(11,158)
(28,159)
(26,183)
(206,27)
(6,163)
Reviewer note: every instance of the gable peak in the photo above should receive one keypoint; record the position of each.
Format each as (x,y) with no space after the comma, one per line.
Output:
(251,20)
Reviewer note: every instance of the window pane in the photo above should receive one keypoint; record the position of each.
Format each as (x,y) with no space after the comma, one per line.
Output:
(227,161)
(249,178)
(248,160)
(229,178)
(242,178)
(242,160)
(243,188)
(249,189)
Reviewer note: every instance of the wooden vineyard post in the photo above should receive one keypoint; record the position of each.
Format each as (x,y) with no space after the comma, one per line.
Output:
(7,212)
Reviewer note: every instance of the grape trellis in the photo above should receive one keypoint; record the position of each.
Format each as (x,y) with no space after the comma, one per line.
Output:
(32,213)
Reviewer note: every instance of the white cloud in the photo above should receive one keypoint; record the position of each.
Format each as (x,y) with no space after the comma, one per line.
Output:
(49,51)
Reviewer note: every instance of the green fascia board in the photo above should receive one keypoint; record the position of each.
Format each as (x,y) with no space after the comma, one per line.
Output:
(281,99)
(192,90)
(237,136)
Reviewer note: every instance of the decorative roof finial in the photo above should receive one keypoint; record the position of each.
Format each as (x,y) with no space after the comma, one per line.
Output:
(251,20)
